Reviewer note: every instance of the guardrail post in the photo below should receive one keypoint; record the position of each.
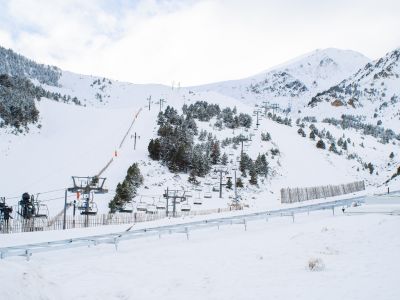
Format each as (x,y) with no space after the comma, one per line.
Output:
(333,210)
(245,224)
(28,254)
(187,232)
(116,243)
(292,216)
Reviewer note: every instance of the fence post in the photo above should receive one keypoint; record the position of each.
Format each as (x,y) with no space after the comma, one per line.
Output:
(65,209)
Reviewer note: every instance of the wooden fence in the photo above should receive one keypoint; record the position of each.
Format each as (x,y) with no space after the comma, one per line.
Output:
(79,221)
(291,195)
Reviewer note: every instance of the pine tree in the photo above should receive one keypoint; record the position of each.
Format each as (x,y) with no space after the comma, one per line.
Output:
(154,149)
(312,135)
(215,152)
(244,164)
(321,144)
(253,175)
(224,159)
(239,182)
(391,156)
(332,148)
(229,183)
(261,165)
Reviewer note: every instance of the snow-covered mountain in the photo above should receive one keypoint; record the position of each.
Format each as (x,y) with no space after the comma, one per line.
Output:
(296,81)
(373,91)
(69,139)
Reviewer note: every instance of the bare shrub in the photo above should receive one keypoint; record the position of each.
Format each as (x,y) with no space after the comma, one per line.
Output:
(316,264)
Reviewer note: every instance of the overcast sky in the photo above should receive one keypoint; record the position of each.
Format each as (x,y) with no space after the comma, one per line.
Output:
(193,42)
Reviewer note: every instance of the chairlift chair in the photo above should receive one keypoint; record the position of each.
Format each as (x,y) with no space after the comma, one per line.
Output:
(198,200)
(127,207)
(91,210)
(188,194)
(207,195)
(41,210)
(161,205)
(151,209)
(141,206)
(185,207)
(215,188)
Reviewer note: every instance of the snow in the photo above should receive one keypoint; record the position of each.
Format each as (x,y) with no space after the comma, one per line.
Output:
(359,249)
(269,260)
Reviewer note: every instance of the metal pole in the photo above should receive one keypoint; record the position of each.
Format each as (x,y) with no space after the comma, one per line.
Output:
(65,210)
(73,220)
(220,183)
(134,147)
(167,202)
(174,206)
(236,199)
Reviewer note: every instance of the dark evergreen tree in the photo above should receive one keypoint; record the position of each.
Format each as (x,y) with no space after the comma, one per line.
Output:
(224,159)
(321,144)
(253,175)
(215,152)
(229,183)
(154,149)
(239,183)
(332,148)
(126,190)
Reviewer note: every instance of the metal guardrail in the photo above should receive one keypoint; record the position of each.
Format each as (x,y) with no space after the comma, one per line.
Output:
(114,238)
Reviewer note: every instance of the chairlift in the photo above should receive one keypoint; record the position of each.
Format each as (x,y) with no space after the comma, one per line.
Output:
(198,189)
(29,207)
(198,200)
(141,206)
(161,205)
(42,210)
(127,207)
(215,188)
(151,209)
(207,195)
(185,207)
(214,177)
(188,194)
(91,209)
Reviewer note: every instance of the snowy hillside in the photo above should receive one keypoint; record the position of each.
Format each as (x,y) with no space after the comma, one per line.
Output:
(373,92)
(294,82)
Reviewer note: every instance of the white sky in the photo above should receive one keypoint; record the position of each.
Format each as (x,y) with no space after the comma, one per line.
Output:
(194,42)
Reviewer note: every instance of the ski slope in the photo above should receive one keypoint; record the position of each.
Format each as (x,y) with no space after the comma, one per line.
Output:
(271,261)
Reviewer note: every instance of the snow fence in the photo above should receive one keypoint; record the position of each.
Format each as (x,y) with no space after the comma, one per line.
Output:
(291,195)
